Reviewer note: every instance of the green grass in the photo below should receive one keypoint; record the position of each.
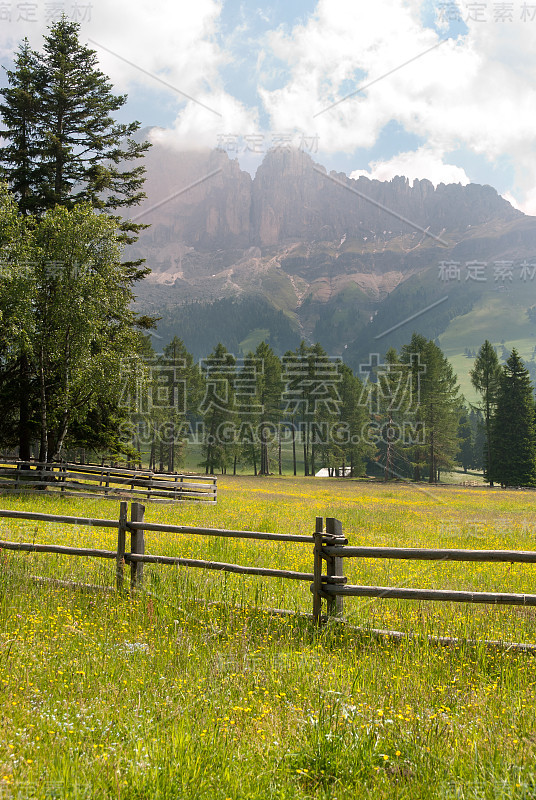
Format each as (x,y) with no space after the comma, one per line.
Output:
(161,696)
(510,322)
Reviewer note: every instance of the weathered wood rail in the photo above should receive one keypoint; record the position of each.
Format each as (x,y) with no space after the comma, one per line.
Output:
(330,548)
(90,479)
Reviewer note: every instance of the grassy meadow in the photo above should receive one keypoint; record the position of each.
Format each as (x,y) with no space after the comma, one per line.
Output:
(189,689)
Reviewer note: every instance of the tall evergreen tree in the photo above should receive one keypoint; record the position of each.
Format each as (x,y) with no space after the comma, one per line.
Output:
(439,405)
(393,395)
(173,392)
(465,436)
(20,109)
(412,355)
(63,145)
(354,446)
(478,429)
(218,407)
(311,392)
(485,377)
(268,395)
(514,427)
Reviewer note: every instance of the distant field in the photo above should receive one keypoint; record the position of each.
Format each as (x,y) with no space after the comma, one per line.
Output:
(498,316)
(160,696)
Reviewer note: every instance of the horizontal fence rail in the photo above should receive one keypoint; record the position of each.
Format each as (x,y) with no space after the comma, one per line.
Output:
(270,537)
(490,598)
(420,554)
(81,479)
(31,547)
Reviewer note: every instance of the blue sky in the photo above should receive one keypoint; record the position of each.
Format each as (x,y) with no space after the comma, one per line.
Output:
(463,109)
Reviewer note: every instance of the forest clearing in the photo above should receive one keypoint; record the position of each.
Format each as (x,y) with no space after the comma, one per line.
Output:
(191,689)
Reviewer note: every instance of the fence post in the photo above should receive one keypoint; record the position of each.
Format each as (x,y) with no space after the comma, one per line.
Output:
(334,568)
(137,545)
(317,571)
(121,538)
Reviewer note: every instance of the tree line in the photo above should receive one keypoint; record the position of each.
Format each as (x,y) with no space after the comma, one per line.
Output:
(403,417)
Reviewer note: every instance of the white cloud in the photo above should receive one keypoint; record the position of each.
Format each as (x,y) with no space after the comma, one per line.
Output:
(175,41)
(422,163)
(195,128)
(476,93)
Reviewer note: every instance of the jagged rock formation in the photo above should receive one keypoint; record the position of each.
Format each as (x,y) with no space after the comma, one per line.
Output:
(293,199)
(326,250)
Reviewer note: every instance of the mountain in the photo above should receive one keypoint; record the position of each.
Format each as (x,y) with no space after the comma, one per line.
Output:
(297,252)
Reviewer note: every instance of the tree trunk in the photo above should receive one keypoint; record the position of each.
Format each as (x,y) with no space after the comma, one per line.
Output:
(306,450)
(43,450)
(62,434)
(24,410)
(254,457)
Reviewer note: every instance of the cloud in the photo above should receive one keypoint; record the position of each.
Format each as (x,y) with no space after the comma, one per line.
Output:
(176,41)
(474,93)
(140,46)
(421,163)
(195,128)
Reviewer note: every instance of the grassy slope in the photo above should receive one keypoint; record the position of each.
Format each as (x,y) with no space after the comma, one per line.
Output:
(496,316)
(160,697)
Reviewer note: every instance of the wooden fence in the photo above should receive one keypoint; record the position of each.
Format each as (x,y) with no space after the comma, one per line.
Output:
(329,547)
(338,592)
(137,556)
(82,479)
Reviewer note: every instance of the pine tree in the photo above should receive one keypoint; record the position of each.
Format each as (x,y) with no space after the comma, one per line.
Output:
(176,390)
(63,145)
(392,394)
(412,355)
(354,446)
(513,432)
(269,390)
(218,408)
(485,377)
(465,435)
(20,114)
(311,388)
(439,406)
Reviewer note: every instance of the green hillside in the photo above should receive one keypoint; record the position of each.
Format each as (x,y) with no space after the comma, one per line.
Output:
(498,315)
